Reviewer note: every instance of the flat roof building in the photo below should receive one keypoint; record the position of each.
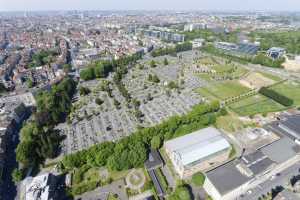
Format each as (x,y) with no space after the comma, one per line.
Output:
(235,178)
(290,125)
(197,151)
(275,52)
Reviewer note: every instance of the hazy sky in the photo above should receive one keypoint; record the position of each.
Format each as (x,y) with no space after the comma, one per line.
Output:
(19,5)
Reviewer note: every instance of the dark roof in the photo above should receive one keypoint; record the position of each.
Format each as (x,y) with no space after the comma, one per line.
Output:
(257,162)
(219,177)
(281,150)
(292,123)
(154,160)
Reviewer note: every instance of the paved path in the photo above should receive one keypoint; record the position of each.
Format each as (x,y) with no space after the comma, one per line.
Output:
(265,187)
(169,177)
(101,193)
(142,196)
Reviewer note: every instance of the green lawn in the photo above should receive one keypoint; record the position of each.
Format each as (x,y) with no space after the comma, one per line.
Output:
(223,90)
(255,105)
(222,68)
(271,76)
(290,90)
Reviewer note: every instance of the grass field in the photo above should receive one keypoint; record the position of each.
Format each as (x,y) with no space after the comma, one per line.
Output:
(290,90)
(255,105)
(271,76)
(230,123)
(223,90)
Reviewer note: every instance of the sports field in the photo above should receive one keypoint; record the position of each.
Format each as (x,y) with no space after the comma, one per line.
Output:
(290,90)
(254,105)
(222,90)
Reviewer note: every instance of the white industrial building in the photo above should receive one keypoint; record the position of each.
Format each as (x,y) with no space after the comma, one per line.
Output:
(197,151)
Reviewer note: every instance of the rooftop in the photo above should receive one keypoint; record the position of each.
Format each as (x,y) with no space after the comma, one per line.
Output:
(242,170)
(198,145)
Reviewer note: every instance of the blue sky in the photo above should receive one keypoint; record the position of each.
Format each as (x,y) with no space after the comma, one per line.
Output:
(268,5)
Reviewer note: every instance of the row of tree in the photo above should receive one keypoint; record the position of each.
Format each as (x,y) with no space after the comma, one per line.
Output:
(101,69)
(276,96)
(290,40)
(38,139)
(131,151)
(264,60)
(257,59)
(172,50)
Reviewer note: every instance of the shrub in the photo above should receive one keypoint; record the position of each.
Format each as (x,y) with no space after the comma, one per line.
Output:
(276,96)
(198,179)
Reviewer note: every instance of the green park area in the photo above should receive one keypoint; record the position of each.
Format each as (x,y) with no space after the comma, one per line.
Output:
(222,90)
(255,105)
(290,90)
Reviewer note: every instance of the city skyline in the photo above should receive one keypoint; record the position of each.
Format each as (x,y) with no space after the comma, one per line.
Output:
(230,5)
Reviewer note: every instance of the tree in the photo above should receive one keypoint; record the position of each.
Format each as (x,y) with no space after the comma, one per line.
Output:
(87,74)
(17,175)
(181,193)
(99,101)
(198,179)
(156,142)
(67,68)
(25,153)
(152,64)
(155,79)
(117,103)
(172,85)
(166,62)
(84,91)
(30,83)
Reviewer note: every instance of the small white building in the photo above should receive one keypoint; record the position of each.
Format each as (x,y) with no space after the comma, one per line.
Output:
(197,151)
(197,43)
(41,187)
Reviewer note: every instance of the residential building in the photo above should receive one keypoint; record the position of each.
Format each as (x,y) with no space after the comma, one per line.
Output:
(198,151)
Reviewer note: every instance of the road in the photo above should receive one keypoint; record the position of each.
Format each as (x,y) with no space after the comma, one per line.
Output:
(9,189)
(281,180)
(101,193)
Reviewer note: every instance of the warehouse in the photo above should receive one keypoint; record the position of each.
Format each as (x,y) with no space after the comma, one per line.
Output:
(198,151)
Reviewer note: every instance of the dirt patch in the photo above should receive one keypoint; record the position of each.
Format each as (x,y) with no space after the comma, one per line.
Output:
(292,65)
(256,80)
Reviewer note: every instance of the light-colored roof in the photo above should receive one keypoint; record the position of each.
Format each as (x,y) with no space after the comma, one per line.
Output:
(37,188)
(197,145)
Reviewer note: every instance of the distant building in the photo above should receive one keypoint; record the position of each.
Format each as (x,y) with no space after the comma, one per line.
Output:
(241,48)
(276,52)
(197,43)
(290,126)
(193,27)
(198,151)
(165,35)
